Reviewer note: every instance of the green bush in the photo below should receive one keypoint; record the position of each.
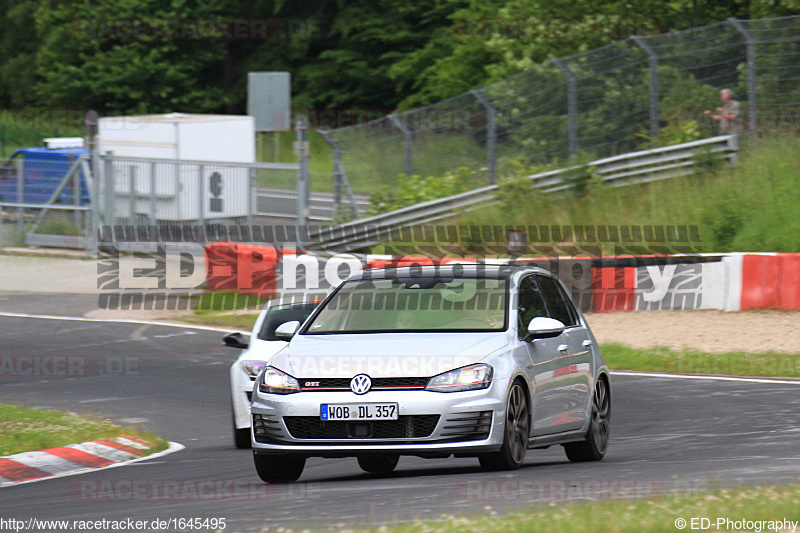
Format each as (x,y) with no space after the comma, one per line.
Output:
(415,189)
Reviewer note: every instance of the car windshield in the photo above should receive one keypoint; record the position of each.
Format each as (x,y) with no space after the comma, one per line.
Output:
(279,314)
(413,305)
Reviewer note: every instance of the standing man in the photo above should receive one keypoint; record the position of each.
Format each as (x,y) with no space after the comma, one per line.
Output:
(730,114)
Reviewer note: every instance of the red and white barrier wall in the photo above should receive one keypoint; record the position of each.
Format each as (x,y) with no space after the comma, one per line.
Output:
(729,282)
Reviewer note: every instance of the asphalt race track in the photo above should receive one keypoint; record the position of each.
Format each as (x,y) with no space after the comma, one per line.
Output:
(667,434)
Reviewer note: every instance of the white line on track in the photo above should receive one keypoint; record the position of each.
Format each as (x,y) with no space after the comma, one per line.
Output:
(771,381)
(119,321)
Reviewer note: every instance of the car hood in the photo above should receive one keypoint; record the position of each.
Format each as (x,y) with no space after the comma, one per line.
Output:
(385,354)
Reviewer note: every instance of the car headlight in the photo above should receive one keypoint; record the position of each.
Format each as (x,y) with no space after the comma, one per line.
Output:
(473,377)
(252,368)
(277,382)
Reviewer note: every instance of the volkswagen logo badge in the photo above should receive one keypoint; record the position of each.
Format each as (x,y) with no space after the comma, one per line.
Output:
(360,384)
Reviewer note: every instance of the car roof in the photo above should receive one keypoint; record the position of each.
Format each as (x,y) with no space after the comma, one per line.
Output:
(457,270)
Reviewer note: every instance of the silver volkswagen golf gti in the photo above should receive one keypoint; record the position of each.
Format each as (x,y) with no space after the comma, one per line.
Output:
(433,361)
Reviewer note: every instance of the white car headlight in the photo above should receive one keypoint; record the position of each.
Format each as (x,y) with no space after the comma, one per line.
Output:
(473,377)
(275,381)
(252,368)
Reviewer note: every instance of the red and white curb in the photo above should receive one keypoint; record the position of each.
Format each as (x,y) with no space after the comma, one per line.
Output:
(27,467)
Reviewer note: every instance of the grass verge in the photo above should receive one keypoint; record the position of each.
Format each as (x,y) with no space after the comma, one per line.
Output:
(764,364)
(750,207)
(24,429)
(748,509)
(228,309)
(223,319)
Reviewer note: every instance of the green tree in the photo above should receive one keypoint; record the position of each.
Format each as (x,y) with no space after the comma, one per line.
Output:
(364,39)
(89,57)
(18,46)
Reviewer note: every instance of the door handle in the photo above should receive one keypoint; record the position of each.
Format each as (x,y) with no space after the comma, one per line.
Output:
(562,347)
(587,343)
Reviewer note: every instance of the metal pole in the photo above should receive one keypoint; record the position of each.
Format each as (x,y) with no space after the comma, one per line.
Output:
(251,197)
(110,189)
(76,191)
(20,198)
(752,110)
(340,176)
(201,197)
(302,181)
(654,108)
(572,106)
(337,178)
(491,134)
(153,213)
(408,138)
(132,195)
(95,166)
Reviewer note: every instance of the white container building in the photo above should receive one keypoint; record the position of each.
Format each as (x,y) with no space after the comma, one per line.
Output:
(178,167)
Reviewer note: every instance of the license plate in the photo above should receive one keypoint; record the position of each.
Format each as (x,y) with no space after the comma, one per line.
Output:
(359,411)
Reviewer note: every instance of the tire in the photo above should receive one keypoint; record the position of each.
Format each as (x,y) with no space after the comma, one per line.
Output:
(378,464)
(594,446)
(241,436)
(279,468)
(516,431)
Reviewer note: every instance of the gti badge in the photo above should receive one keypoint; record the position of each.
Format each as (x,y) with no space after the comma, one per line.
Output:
(361,384)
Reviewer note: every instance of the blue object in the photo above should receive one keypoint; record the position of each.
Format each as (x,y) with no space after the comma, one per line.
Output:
(43,170)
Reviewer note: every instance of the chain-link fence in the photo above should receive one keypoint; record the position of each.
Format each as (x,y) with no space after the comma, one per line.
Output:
(636,93)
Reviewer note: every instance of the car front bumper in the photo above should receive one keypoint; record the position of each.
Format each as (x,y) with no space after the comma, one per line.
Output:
(468,423)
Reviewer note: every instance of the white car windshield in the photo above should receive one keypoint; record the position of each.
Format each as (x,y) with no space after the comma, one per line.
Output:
(413,305)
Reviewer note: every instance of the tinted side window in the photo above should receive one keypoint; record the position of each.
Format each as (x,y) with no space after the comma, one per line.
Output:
(557,304)
(531,304)
(283,313)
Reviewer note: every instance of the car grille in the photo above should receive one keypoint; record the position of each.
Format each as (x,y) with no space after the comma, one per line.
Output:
(467,426)
(340,384)
(408,426)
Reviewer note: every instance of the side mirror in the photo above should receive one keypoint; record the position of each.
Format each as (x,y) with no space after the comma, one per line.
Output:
(543,327)
(235,340)
(285,331)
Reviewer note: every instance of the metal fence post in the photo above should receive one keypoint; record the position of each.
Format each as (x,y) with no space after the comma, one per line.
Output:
(572,105)
(20,199)
(76,191)
(408,138)
(132,195)
(339,177)
(302,182)
(110,189)
(251,197)
(201,197)
(491,134)
(654,108)
(153,213)
(95,196)
(752,112)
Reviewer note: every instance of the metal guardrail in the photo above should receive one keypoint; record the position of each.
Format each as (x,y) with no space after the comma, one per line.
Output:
(280,203)
(627,169)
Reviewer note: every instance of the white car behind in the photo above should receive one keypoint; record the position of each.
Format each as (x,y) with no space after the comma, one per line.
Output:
(261,347)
